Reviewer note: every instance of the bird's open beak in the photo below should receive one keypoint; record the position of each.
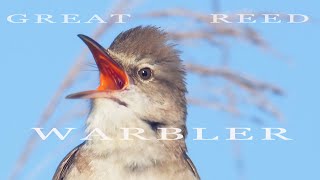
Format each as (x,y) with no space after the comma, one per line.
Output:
(112,75)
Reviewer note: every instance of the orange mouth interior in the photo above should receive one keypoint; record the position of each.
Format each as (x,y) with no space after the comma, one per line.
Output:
(112,75)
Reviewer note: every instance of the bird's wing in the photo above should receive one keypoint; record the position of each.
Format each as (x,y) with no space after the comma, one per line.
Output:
(191,165)
(65,164)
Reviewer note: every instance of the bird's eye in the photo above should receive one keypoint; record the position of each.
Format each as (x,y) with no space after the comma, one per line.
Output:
(145,73)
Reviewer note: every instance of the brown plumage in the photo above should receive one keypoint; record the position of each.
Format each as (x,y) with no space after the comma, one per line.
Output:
(149,95)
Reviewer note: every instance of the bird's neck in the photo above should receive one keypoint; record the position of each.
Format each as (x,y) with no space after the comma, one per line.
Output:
(110,118)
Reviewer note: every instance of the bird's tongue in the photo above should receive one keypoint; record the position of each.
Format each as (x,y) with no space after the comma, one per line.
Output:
(112,75)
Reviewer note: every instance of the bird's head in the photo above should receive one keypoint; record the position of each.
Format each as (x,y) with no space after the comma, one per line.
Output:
(141,71)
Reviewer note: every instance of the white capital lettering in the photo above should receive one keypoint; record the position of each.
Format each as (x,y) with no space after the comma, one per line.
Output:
(233,133)
(139,131)
(99,133)
(21,18)
(218,18)
(70,18)
(176,133)
(120,17)
(278,134)
(53,130)
(200,136)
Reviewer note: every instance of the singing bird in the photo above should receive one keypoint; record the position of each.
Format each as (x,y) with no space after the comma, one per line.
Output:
(142,86)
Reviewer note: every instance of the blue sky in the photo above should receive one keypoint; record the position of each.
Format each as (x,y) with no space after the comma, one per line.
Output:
(35,58)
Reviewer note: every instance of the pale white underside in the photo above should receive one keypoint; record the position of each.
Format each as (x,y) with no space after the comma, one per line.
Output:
(111,159)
